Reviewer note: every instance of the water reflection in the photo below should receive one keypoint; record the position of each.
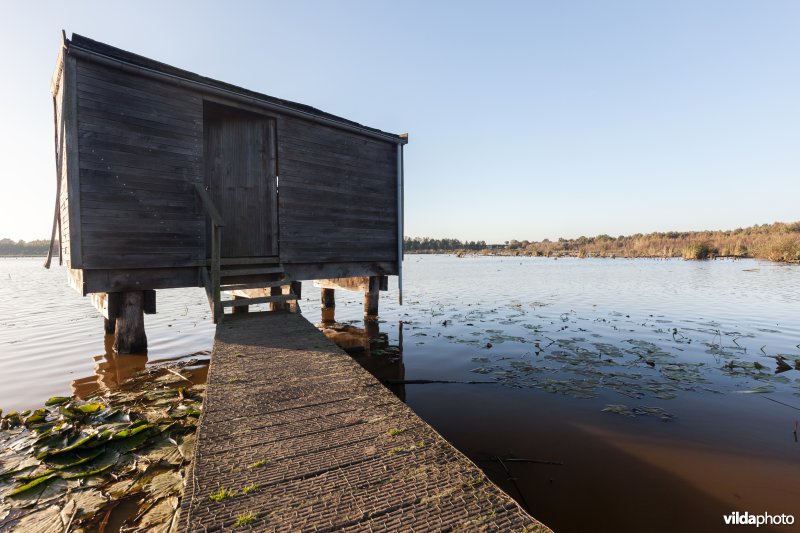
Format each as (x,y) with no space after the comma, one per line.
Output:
(370,347)
(110,370)
(576,346)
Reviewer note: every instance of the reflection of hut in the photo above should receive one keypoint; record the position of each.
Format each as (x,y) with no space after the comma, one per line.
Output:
(110,371)
(169,179)
(371,349)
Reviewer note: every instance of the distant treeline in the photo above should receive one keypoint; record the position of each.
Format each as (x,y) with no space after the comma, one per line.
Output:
(424,244)
(777,242)
(19,248)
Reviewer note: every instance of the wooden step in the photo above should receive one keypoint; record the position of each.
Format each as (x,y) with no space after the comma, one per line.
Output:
(230,272)
(239,302)
(254,285)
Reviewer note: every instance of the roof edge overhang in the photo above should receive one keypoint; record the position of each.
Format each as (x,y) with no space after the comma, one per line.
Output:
(107,55)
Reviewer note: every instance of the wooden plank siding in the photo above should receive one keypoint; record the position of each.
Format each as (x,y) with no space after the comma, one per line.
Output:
(337,195)
(71,148)
(132,147)
(141,145)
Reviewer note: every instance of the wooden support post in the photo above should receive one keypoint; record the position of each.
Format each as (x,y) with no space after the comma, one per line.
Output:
(109,305)
(240,309)
(372,329)
(277,306)
(328,305)
(129,335)
(371,298)
(296,288)
(400,337)
(216,247)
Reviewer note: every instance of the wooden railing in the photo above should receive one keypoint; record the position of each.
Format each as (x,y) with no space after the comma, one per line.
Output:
(215,298)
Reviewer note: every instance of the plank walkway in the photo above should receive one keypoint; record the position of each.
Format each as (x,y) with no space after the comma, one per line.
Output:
(323,445)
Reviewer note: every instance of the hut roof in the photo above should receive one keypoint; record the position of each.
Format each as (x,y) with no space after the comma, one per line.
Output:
(95,47)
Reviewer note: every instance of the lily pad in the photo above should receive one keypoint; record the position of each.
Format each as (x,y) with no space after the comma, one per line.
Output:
(57,400)
(45,520)
(159,515)
(38,482)
(84,503)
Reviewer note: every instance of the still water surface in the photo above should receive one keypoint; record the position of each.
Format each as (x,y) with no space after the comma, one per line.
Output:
(623,395)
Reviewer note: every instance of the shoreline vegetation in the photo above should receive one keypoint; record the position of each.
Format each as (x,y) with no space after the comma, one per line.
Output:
(117,460)
(774,242)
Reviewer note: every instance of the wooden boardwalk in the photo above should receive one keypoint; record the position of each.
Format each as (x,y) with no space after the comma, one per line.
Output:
(303,439)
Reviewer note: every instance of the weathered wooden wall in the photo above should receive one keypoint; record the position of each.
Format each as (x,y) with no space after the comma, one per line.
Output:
(338,195)
(138,143)
(141,147)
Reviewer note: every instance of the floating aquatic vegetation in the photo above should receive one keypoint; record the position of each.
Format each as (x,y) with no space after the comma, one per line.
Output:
(524,366)
(583,389)
(648,351)
(71,460)
(57,400)
(666,395)
(618,409)
(764,389)
(781,363)
(590,353)
(684,372)
(609,350)
(753,370)
(642,410)
(498,336)
(536,328)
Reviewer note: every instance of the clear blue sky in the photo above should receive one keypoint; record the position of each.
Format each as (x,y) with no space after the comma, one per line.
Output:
(526,119)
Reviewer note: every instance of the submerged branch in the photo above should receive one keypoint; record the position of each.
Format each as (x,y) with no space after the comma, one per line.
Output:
(780,402)
(514,460)
(433,381)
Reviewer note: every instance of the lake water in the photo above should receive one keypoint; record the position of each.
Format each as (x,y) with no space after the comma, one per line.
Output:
(602,394)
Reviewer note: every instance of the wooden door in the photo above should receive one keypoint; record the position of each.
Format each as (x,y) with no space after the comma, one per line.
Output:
(241,176)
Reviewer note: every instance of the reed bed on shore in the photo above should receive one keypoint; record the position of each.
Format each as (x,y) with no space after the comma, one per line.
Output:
(775,242)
